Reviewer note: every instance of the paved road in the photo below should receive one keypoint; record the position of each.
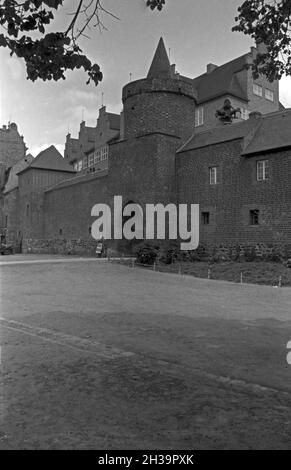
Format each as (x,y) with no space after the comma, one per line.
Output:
(96,355)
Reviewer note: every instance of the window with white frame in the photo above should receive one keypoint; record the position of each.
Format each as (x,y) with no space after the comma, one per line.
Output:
(269,94)
(199,116)
(91,160)
(213,174)
(257,89)
(76,165)
(263,168)
(80,165)
(104,153)
(85,163)
(97,156)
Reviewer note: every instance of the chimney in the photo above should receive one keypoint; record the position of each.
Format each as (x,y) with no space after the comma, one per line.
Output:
(211,67)
(173,70)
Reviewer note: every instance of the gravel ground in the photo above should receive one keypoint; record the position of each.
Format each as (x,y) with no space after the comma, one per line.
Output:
(101,356)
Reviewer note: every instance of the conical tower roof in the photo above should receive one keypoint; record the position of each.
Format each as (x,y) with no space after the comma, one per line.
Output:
(160,67)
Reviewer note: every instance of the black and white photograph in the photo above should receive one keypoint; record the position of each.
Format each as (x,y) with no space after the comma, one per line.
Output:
(145,229)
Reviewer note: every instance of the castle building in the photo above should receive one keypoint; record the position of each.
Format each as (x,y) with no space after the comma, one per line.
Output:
(89,153)
(12,159)
(12,149)
(221,140)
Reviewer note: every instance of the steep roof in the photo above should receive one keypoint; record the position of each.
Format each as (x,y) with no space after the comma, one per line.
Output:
(160,67)
(12,181)
(50,159)
(78,179)
(217,135)
(222,80)
(265,133)
(273,132)
(114,121)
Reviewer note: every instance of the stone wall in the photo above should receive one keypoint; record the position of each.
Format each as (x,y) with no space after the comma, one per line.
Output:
(67,209)
(242,252)
(12,146)
(60,246)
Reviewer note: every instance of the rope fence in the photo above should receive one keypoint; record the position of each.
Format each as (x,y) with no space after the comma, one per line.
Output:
(208,273)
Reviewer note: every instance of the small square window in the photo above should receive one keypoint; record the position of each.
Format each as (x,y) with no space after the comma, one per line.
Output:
(257,89)
(213,175)
(254,217)
(263,170)
(269,94)
(205,218)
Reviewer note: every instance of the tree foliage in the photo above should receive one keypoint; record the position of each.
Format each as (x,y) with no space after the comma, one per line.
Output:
(48,55)
(268,22)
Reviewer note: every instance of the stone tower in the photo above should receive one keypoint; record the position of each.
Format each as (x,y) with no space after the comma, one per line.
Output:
(163,102)
(12,146)
(158,116)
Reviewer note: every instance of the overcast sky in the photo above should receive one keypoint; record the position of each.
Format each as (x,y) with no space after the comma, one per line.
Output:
(196,32)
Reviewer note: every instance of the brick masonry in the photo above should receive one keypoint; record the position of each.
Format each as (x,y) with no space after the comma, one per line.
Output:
(237,193)
(54,208)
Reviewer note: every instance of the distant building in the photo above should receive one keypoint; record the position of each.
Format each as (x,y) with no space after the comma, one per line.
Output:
(11,202)
(89,153)
(12,151)
(12,146)
(234,81)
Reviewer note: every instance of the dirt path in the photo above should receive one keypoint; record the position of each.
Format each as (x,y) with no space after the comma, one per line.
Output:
(99,356)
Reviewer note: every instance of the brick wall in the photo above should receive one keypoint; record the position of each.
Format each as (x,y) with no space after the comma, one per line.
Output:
(159,105)
(237,192)
(11,217)
(32,184)
(67,216)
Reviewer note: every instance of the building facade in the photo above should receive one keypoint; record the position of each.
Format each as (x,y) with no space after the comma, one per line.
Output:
(221,140)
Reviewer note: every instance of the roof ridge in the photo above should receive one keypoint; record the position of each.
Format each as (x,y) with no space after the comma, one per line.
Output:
(205,74)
